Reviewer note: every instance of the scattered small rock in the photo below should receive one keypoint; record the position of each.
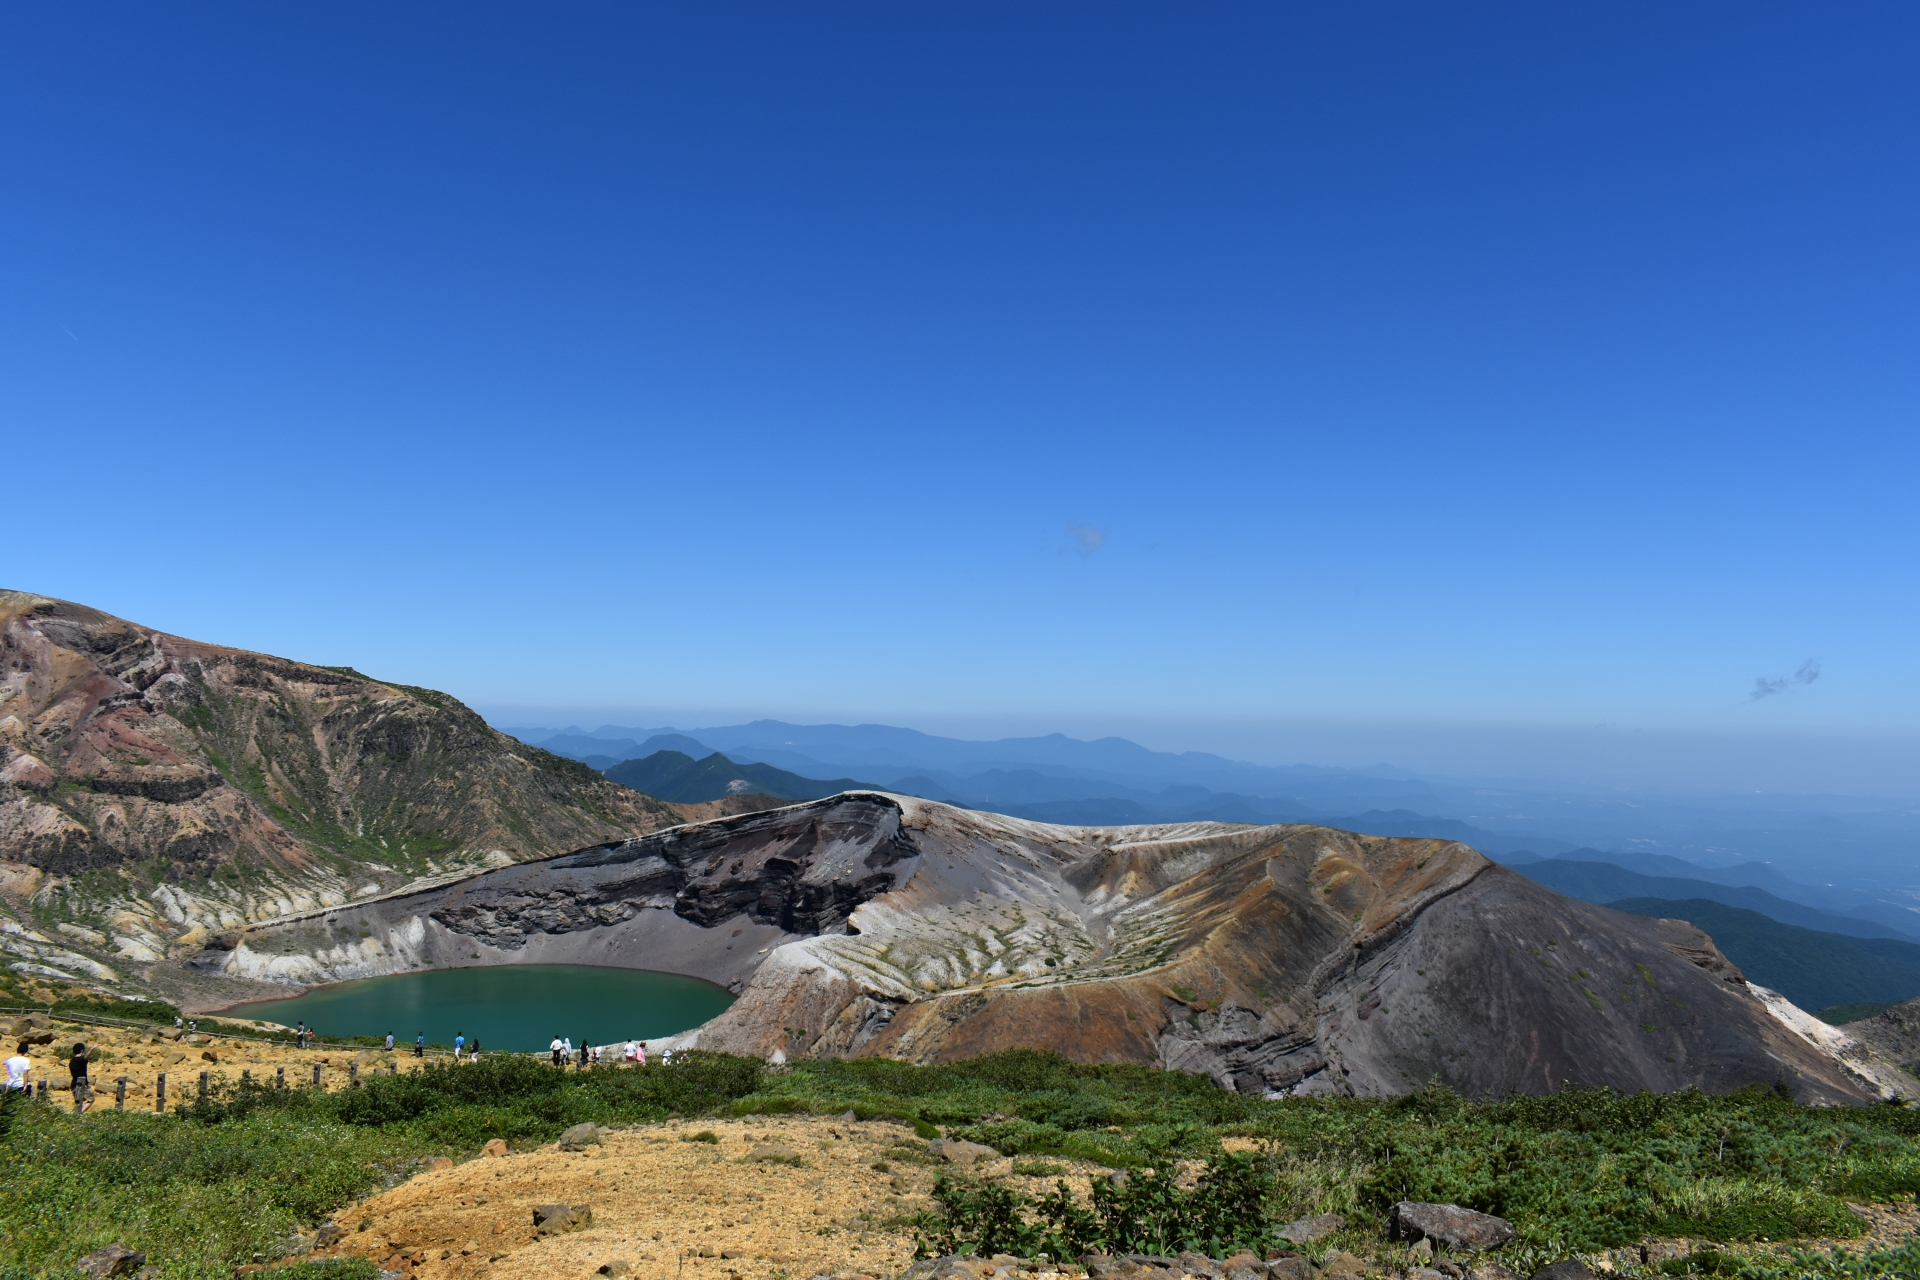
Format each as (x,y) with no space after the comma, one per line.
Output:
(1289,1266)
(437,1163)
(617,1267)
(1461,1230)
(554,1219)
(111,1262)
(1308,1230)
(1339,1262)
(210,1056)
(960,1151)
(494,1147)
(580,1137)
(733,1253)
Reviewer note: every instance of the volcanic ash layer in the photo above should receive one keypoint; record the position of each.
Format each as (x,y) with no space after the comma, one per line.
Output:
(1278,959)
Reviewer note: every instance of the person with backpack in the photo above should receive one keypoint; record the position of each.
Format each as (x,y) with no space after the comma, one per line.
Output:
(82,1087)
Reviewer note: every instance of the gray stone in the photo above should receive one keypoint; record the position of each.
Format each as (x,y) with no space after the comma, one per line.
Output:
(327,1236)
(1289,1266)
(1425,1273)
(111,1261)
(1339,1262)
(1461,1230)
(579,1137)
(1308,1230)
(617,1267)
(959,1151)
(554,1219)
(1571,1269)
(1197,1264)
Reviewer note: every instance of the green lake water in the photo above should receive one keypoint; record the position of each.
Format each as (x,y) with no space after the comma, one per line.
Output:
(515,1008)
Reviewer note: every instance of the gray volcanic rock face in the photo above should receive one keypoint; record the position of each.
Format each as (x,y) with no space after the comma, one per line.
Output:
(1275,959)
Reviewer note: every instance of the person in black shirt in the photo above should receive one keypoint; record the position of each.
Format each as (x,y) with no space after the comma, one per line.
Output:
(82,1088)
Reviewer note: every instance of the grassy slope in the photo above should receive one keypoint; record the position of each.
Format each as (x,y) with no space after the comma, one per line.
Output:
(1580,1171)
(1812,969)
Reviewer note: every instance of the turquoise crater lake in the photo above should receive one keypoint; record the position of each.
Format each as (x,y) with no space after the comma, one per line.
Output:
(513,1008)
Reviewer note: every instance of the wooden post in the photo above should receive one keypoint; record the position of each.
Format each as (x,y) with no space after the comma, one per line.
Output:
(316,1075)
(393,1068)
(120,1094)
(43,1091)
(281,1077)
(160,1093)
(203,1086)
(353,1075)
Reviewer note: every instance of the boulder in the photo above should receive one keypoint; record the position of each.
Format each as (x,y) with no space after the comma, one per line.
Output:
(616,1268)
(111,1262)
(1461,1230)
(1339,1262)
(1571,1269)
(436,1163)
(1197,1264)
(1308,1230)
(494,1147)
(1289,1266)
(327,1236)
(959,1151)
(556,1219)
(1491,1271)
(580,1137)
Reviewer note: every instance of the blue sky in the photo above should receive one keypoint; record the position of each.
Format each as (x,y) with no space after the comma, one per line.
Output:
(1271,380)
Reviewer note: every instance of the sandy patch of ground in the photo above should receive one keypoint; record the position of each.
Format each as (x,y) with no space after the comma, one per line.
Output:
(671,1208)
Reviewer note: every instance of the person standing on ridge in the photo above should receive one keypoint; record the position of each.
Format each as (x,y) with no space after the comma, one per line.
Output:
(420,1045)
(459,1045)
(558,1050)
(18,1066)
(389,1042)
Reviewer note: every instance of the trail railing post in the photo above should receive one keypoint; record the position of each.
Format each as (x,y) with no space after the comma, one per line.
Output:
(203,1086)
(393,1068)
(120,1093)
(43,1091)
(316,1075)
(353,1075)
(160,1093)
(280,1074)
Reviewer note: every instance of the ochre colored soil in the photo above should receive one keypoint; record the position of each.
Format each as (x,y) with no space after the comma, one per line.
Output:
(670,1208)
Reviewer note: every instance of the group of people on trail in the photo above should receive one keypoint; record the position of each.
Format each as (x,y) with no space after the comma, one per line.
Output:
(634,1051)
(302,1036)
(463,1051)
(20,1071)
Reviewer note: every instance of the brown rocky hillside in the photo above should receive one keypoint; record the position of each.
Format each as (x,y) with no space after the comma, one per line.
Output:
(153,786)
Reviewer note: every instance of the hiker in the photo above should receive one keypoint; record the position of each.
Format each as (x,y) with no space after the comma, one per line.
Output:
(420,1045)
(473,1050)
(300,1035)
(459,1045)
(389,1042)
(583,1053)
(82,1087)
(178,1023)
(640,1053)
(559,1052)
(17,1068)
(566,1050)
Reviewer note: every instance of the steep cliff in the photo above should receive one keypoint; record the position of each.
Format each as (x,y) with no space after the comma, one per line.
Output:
(1275,959)
(156,790)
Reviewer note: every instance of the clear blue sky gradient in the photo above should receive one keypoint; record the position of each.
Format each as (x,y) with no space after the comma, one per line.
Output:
(1193,372)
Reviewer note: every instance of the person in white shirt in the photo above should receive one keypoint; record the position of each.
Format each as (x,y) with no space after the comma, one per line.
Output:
(17,1068)
(558,1050)
(389,1042)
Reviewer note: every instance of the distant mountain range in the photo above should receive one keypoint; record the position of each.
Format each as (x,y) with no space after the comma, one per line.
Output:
(1814,970)
(677,776)
(1605,882)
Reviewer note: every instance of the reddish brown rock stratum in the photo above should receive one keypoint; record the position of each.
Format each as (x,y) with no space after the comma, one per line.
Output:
(154,790)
